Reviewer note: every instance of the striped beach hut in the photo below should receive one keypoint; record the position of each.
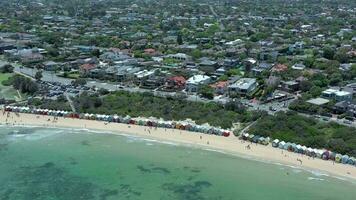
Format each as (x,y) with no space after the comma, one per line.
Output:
(275,143)
(281,144)
(351,161)
(345,159)
(338,158)
(326,155)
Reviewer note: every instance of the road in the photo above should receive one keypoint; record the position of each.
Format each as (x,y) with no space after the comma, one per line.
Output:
(51,77)
(221,25)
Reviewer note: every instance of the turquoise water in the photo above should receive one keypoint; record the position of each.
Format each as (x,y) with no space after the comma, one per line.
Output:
(51,164)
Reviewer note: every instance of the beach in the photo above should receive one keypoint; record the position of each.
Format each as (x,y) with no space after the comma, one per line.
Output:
(230,145)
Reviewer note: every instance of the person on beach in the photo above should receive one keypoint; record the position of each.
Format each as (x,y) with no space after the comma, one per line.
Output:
(201,137)
(300,161)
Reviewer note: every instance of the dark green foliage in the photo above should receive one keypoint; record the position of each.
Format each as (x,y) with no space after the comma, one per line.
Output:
(138,104)
(7,68)
(206,91)
(24,84)
(292,127)
(38,75)
(79,81)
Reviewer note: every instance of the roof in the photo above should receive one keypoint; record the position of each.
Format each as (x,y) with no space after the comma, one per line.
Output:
(280,68)
(87,66)
(318,101)
(244,83)
(336,92)
(220,84)
(198,79)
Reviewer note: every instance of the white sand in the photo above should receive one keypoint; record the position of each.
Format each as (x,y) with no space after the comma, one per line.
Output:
(231,145)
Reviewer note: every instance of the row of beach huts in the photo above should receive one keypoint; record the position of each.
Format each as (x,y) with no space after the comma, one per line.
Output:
(297,148)
(141,121)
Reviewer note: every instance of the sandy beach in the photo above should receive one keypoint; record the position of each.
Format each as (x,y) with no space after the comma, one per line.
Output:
(231,145)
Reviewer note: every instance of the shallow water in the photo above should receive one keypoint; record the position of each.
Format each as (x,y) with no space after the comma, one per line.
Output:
(38,163)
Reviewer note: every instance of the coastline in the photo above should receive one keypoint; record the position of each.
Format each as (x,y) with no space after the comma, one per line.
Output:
(230,145)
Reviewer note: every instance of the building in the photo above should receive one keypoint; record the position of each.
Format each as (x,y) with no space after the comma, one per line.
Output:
(220,87)
(242,86)
(176,82)
(298,66)
(194,82)
(337,95)
(345,107)
(318,101)
(290,86)
(179,57)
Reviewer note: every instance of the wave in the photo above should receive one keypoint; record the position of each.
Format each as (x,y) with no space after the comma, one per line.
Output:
(316,179)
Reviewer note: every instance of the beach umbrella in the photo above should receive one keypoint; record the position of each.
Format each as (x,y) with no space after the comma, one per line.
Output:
(345,159)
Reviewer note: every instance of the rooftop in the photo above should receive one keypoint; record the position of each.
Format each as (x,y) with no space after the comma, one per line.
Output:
(318,101)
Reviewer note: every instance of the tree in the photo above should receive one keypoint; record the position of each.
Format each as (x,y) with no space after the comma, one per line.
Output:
(7,68)
(38,75)
(79,81)
(328,53)
(206,91)
(96,53)
(305,85)
(180,38)
(341,56)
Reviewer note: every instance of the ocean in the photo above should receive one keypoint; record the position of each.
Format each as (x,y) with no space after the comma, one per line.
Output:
(66,164)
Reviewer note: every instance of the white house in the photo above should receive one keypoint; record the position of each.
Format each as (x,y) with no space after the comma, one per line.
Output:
(194,82)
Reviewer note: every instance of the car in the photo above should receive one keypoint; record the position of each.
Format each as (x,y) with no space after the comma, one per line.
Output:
(347,121)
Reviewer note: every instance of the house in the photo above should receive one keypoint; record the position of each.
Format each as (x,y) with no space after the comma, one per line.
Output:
(290,86)
(242,86)
(175,82)
(150,52)
(337,95)
(318,101)
(153,82)
(194,82)
(261,68)
(50,66)
(345,107)
(6,46)
(179,57)
(249,63)
(279,68)
(345,66)
(207,65)
(86,68)
(220,87)
(298,66)
(126,73)
(25,55)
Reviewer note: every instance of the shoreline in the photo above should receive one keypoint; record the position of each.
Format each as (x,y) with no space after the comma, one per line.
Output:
(229,145)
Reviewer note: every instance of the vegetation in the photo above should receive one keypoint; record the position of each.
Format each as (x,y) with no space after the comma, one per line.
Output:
(7,69)
(295,128)
(21,83)
(146,105)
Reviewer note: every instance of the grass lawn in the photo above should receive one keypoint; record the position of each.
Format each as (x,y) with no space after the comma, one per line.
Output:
(5,77)
(8,92)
